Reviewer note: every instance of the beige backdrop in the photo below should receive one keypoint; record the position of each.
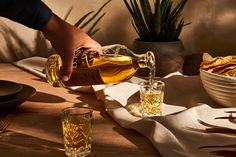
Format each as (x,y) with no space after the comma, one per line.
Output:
(212,28)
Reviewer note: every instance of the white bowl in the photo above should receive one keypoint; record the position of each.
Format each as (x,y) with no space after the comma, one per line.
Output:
(220,88)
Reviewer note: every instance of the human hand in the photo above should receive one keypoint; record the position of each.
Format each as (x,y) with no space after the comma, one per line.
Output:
(66,39)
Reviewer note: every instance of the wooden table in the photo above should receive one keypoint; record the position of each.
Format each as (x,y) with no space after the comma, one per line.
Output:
(35,130)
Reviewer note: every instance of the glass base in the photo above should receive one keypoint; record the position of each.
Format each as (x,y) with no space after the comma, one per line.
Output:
(78,152)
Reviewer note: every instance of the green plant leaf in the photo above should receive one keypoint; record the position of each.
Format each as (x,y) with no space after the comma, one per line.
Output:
(178,30)
(139,21)
(147,12)
(175,14)
(162,25)
(166,6)
(157,18)
(135,21)
(133,24)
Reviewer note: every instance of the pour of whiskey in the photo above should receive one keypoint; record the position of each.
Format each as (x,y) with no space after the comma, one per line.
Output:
(116,64)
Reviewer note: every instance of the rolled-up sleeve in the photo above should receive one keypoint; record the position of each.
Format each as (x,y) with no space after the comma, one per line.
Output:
(31,13)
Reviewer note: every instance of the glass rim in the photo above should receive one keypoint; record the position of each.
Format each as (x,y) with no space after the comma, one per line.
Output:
(66,110)
(155,82)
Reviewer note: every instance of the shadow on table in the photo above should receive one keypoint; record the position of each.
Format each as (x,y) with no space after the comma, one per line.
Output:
(19,144)
(143,144)
(40,79)
(222,150)
(46,98)
(91,100)
(121,150)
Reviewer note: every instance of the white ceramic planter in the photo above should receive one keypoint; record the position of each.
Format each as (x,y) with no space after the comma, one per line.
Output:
(169,55)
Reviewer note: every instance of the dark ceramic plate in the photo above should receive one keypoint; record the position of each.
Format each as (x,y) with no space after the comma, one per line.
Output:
(8,89)
(17,99)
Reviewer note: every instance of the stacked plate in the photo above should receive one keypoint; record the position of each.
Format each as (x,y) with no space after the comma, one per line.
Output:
(220,88)
(13,94)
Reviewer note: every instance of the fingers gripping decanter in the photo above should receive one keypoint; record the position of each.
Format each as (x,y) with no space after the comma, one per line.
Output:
(116,64)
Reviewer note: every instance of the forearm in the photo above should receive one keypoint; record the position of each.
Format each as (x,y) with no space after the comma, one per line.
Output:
(31,13)
(54,28)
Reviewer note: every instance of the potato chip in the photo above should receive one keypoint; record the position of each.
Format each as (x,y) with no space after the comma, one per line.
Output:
(220,65)
(225,70)
(232,73)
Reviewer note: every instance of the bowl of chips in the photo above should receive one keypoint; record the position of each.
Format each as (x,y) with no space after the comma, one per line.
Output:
(218,75)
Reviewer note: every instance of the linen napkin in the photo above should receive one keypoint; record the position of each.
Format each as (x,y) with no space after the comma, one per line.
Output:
(200,131)
(34,65)
(190,126)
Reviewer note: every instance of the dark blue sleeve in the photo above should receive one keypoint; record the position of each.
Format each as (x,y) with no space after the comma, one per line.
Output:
(32,13)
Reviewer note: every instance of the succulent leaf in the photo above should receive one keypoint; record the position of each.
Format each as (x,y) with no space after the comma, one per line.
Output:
(161,24)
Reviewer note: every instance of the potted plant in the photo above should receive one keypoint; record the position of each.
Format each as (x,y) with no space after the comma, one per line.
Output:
(159,25)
